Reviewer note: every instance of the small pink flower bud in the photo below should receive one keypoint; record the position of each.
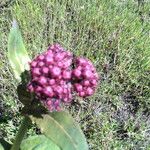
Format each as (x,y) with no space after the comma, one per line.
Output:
(56,103)
(79,68)
(62,82)
(50,108)
(51,82)
(49,52)
(89,91)
(33,63)
(94,82)
(58,89)
(96,75)
(51,47)
(82,94)
(90,63)
(58,108)
(58,57)
(66,74)
(87,67)
(57,46)
(36,78)
(50,66)
(81,61)
(55,71)
(67,63)
(87,74)
(41,63)
(69,54)
(60,64)
(86,83)
(36,71)
(77,73)
(59,77)
(49,102)
(93,69)
(45,70)
(42,80)
(30,88)
(48,91)
(69,85)
(38,89)
(65,100)
(41,57)
(49,60)
(65,90)
(78,87)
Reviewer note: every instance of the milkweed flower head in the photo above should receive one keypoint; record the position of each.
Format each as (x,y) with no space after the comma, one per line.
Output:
(85,77)
(54,79)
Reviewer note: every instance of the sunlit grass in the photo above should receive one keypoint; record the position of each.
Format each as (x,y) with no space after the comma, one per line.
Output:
(115,36)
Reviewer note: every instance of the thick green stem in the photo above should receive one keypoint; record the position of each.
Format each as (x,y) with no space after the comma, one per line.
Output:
(22,131)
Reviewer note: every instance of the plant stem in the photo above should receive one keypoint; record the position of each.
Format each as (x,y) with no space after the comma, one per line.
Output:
(22,131)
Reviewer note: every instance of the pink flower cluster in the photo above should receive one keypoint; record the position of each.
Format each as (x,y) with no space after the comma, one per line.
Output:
(85,77)
(53,79)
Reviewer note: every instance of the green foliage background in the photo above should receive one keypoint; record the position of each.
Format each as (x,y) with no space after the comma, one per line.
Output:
(115,35)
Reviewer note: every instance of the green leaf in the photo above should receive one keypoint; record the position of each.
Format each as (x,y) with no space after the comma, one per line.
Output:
(61,129)
(46,146)
(4,145)
(1,147)
(38,142)
(17,54)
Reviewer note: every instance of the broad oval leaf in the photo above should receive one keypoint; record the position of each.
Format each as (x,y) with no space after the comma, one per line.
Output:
(61,128)
(17,54)
(38,142)
(46,146)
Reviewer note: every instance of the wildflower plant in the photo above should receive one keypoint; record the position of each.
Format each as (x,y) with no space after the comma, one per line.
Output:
(46,83)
